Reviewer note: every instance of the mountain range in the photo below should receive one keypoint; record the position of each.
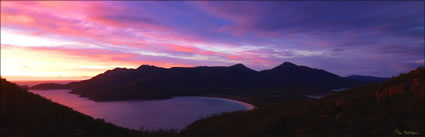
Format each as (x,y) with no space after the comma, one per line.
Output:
(151,82)
(393,108)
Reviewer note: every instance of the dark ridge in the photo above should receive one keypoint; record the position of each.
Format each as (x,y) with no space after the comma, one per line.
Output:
(286,65)
(367,78)
(241,67)
(148,67)
(151,82)
(238,66)
(49,86)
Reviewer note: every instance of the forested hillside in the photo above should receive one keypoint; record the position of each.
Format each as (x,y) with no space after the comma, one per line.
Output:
(392,108)
(24,114)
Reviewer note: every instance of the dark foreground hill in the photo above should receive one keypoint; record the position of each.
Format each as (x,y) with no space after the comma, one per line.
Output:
(150,82)
(394,108)
(24,114)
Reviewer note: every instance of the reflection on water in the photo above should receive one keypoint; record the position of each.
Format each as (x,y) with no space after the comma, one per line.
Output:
(175,113)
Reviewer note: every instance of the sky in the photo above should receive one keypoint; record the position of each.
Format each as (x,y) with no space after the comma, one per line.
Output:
(73,40)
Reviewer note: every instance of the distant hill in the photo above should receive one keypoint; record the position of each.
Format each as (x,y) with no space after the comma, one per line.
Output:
(367,78)
(294,78)
(393,108)
(151,82)
(50,86)
(24,114)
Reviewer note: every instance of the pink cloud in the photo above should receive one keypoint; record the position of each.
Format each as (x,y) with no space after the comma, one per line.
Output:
(86,20)
(105,23)
(179,48)
(96,56)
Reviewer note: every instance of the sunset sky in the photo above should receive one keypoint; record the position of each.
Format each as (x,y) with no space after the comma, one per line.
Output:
(73,40)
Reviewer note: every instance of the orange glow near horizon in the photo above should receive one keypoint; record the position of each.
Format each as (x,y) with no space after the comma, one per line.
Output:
(35,63)
(31,64)
(40,43)
(22,64)
(30,61)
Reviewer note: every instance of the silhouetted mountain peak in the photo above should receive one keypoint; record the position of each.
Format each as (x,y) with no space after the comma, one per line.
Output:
(240,66)
(115,71)
(118,69)
(144,67)
(286,65)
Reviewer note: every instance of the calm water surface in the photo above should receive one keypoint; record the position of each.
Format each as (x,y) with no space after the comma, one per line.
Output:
(175,113)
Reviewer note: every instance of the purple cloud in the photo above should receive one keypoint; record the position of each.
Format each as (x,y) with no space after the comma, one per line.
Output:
(342,37)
